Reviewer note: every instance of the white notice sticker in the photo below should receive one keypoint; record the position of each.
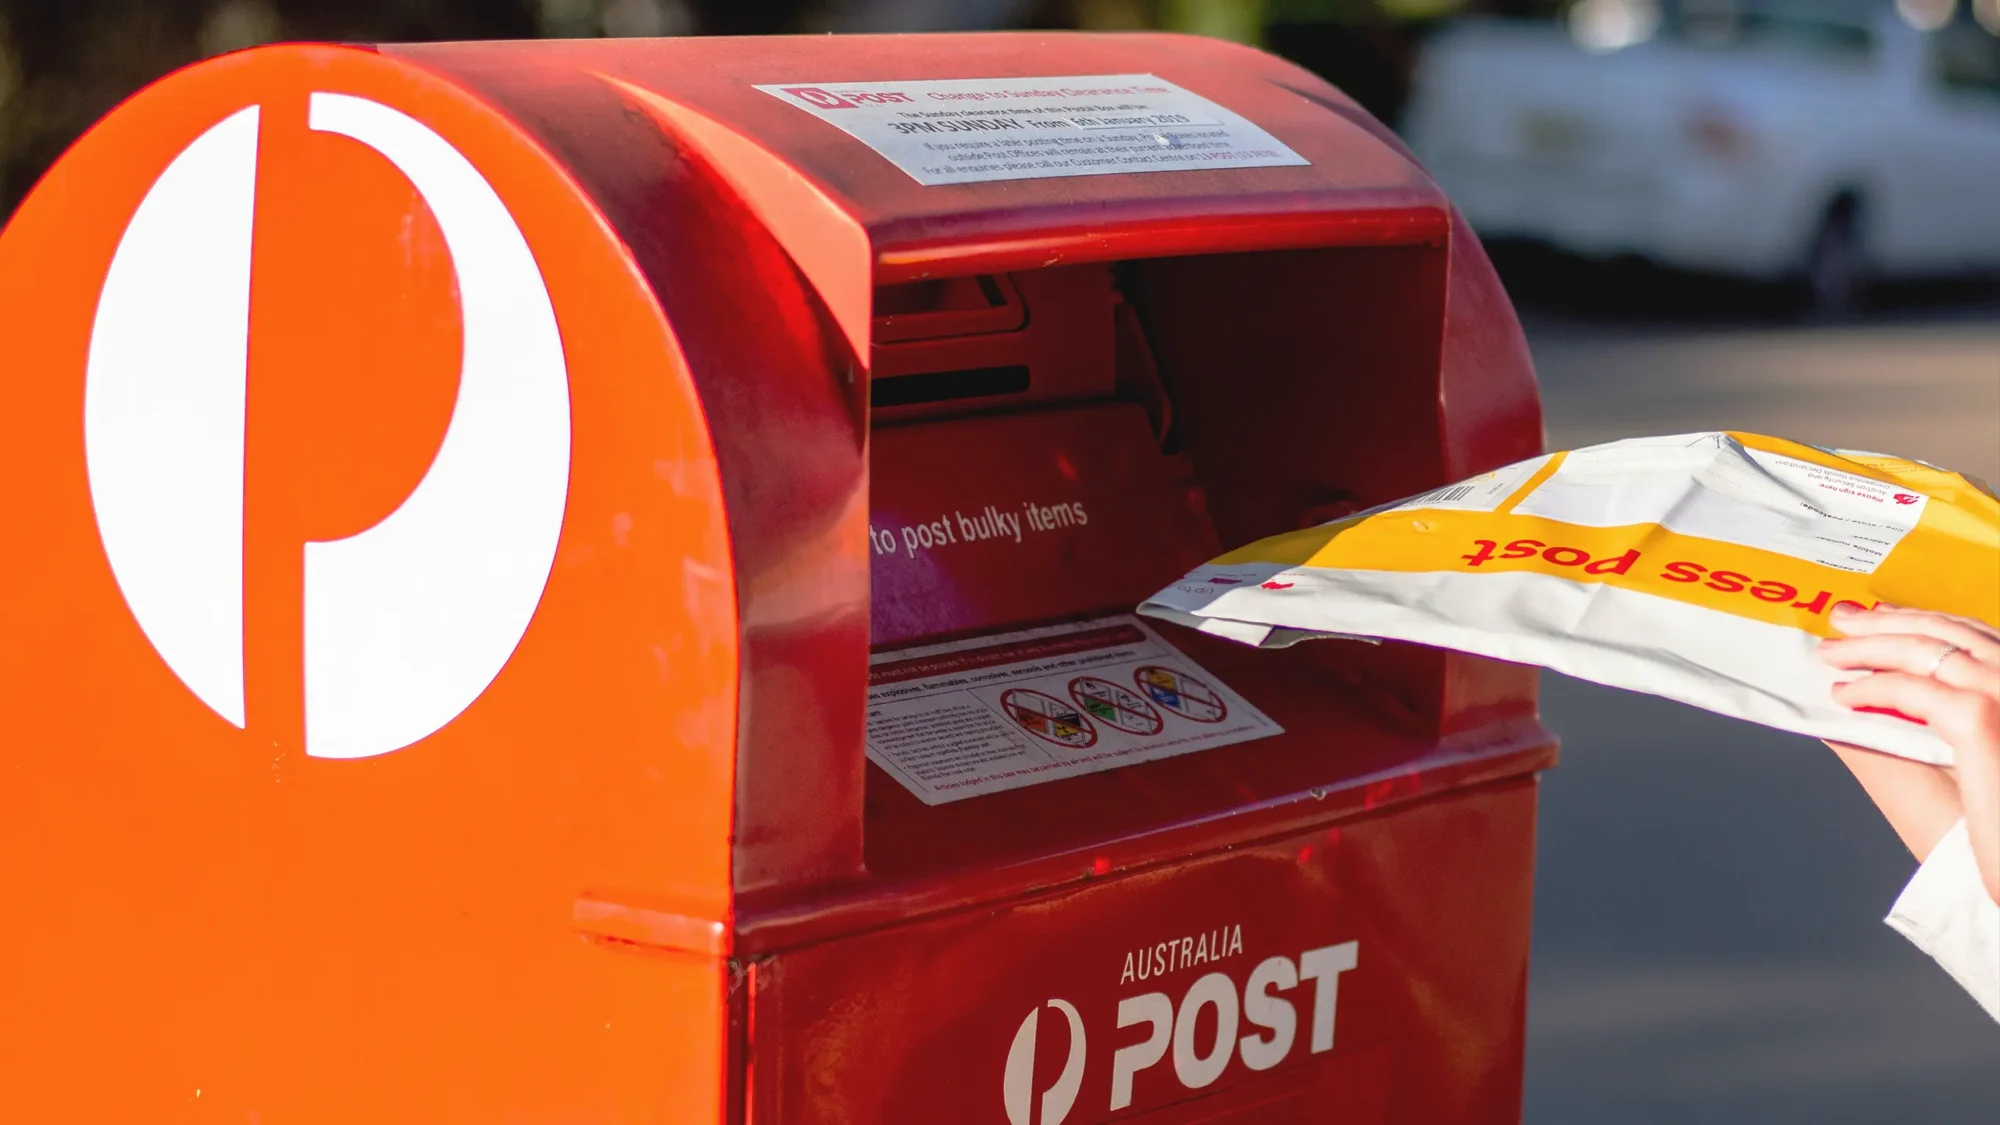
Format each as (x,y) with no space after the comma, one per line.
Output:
(970,130)
(958,720)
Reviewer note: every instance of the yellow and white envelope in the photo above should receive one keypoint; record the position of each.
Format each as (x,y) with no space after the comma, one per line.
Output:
(1699,567)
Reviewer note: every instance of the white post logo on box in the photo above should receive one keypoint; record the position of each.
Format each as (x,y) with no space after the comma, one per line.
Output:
(407,622)
(1257,1023)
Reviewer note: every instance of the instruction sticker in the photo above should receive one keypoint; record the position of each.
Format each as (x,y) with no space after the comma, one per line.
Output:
(959,720)
(972,130)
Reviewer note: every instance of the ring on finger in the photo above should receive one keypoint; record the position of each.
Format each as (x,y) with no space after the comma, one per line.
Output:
(1943,655)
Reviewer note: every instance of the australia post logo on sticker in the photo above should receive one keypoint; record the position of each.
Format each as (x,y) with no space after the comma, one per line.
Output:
(820,98)
(973,130)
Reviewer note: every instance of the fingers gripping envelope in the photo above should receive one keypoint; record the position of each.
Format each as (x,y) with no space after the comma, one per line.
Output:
(1699,567)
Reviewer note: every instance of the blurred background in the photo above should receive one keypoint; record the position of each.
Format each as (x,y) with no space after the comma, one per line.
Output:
(1773,215)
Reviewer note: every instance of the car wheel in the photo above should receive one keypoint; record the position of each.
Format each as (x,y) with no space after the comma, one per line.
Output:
(1836,267)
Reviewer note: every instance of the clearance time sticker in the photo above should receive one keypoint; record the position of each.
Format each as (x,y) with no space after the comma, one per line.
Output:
(973,130)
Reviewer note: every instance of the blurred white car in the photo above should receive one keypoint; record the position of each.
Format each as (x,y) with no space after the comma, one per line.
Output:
(1829,142)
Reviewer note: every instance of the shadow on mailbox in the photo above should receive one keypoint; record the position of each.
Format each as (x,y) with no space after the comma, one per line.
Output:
(657,643)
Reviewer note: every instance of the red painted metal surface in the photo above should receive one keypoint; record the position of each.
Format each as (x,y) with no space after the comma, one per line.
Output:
(662,815)
(1371,971)
(970,481)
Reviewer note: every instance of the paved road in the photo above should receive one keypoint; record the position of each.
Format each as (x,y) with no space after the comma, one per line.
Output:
(1708,944)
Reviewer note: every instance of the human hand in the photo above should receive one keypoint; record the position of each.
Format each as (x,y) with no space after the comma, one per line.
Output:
(1945,672)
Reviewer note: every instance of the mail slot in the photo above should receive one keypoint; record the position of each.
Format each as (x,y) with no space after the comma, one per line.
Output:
(594,581)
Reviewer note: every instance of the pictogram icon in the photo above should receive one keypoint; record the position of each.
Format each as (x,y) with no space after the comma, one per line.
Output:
(1115,706)
(1181,693)
(1049,718)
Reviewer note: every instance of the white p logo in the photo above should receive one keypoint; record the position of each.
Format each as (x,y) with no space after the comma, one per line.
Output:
(407,622)
(1018,1083)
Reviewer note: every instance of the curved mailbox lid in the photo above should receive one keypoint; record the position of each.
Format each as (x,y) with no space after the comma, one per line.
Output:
(1353,167)
(850,219)
(803,175)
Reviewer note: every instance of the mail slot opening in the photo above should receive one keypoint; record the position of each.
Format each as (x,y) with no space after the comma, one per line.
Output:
(1200,402)
(1192,404)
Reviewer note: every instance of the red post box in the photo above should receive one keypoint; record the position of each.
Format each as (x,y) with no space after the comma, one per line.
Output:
(591,582)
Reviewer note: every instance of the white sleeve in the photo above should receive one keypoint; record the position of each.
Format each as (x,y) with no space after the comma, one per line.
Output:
(1948,914)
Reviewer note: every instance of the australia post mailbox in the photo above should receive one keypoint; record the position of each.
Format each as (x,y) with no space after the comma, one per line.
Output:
(591,582)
